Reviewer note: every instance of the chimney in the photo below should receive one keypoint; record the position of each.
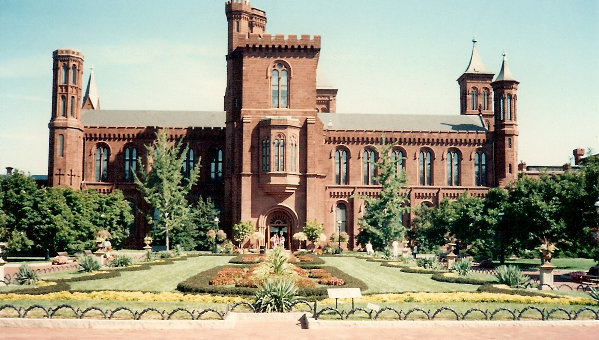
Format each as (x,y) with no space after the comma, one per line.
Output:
(578,154)
(9,170)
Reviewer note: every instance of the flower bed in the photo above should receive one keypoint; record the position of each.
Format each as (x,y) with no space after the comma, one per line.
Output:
(308,287)
(243,278)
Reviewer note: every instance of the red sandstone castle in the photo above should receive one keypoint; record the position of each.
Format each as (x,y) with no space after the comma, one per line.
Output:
(279,155)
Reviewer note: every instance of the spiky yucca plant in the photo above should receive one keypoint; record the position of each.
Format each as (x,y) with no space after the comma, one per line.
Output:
(275,295)
(26,276)
(594,293)
(462,267)
(89,264)
(511,276)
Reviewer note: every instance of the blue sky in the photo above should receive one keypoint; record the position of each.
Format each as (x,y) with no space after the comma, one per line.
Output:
(400,57)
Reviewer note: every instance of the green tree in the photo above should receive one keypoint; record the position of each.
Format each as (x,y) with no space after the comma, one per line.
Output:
(242,231)
(165,187)
(201,219)
(19,196)
(313,230)
(381,224)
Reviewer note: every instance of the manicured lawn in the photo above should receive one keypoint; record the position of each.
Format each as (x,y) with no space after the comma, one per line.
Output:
(391,280)
(156,279)
(561,263)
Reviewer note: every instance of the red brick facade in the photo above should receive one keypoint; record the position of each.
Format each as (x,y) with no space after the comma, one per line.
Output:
(280,156)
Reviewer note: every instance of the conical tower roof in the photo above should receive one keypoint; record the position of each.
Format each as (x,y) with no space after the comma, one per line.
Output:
(505,73)
(91,92)
(476,65)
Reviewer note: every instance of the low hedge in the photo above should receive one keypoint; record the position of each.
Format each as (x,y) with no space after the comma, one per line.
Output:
(443,277)
(316,263)
(495,288)
(200,283)
(420,270)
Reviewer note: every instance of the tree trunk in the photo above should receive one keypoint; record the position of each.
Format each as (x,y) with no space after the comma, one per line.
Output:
(167,241)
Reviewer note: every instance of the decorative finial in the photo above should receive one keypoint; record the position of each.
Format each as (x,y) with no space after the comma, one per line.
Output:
(474,39)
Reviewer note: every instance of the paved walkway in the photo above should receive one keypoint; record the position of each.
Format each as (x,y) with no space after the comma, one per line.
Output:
(293,328)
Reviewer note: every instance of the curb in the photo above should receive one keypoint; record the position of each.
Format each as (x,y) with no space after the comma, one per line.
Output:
(324,324)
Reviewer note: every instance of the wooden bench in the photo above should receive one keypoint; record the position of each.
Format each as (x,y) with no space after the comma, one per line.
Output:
(344,293)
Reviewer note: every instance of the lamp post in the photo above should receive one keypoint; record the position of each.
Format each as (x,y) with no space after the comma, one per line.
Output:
(216,221)
(339,236)
(501,255)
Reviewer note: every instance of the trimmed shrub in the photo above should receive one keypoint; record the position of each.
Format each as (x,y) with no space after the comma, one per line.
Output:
(511,276)
(121,261)
(462,267)
(165,254)
(275,296)
(89,264)
(451,278)
(26,276)
(429,263)
(420,270)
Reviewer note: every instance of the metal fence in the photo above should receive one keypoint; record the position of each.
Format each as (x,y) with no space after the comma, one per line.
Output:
(386,313)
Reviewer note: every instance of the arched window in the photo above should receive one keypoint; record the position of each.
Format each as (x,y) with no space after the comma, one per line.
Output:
(398,157)
(425,168)
(72,106)
(369,162)
(473,99)
(480,169)
(279,154)
(60,145)
(341,216)
(485,99)
(266,154)
(501,108)
(130,163)
(279,86)
(341,167)
(188,163)
(216,165)
(453,168)
(509,107)
(74,74)
(293,160)
(65,73)
(101,163)
(63,106)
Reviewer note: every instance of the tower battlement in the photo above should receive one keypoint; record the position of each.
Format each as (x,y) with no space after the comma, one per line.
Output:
(278,40)
(67,52)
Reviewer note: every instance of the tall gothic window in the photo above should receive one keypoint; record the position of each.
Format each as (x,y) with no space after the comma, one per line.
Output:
(63,106)
(480,169)
(398,157)
(485,99)
(341,167)
(72,106)
(279,86)
(293,150)
(509,107)
(473,99)
(65,73)
(188,163)
(341,216)
(216,165)
(266,154)
(74,75)
(501,112)
(60,145)
(369,161)
(101,164)
(279,154)
(453,168)
(425,168)
(130,163)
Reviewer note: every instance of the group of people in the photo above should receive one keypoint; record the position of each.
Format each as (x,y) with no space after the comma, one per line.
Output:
(395,247)
(277,240)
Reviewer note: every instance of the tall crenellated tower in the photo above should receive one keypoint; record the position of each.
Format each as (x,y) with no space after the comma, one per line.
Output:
(505,87)
(243,19)
(475,89)
(65,158)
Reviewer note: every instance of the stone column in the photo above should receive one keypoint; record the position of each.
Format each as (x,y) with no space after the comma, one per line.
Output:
(546,276)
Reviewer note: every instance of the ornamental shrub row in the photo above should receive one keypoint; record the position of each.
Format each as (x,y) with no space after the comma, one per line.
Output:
(446,277)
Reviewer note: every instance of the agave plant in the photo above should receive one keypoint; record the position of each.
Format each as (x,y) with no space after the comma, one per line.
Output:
(462,267)
(89,264)
(594,293)
(275,295)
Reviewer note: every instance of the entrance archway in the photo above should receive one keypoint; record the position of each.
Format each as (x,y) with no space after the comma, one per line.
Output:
(278,225)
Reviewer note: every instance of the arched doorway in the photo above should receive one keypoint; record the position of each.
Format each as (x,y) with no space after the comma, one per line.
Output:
(278,230)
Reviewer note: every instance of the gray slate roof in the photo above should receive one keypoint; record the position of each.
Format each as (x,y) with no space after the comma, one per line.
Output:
(397,122)
(331,121)
(143,118)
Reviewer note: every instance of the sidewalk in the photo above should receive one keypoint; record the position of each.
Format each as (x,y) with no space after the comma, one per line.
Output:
(293,326)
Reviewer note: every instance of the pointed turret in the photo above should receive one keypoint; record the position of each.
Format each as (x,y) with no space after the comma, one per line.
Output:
(475,88)
(91,100)
(505,73)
